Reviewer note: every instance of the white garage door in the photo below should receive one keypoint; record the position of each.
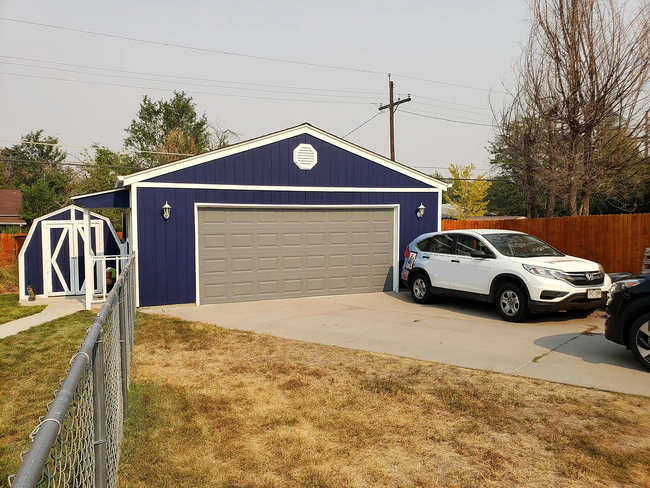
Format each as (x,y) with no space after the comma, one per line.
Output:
(266,253)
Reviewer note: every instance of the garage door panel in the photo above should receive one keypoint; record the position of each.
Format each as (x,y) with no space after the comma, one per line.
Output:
(275,253)
(270,287)
(268,240)
(339,283)
(268,263)
(291,263)
(292,239)
(215,266)
(242,265)
(213,241)
(338,261)
(292,286)
(361,238)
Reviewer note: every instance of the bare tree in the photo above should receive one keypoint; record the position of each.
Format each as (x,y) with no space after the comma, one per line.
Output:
(584,76)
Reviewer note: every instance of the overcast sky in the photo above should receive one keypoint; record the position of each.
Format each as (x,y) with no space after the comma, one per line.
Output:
(471,43)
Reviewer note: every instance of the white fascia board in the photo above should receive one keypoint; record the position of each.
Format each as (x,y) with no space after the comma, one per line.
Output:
(275,137)
(324,189)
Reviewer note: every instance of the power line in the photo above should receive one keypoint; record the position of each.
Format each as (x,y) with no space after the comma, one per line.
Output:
(468,87)
(241,55)
(424,112)
(445,108)
(119,85)
(186,82)
(359,126)
(452,103)
(188,77)
(66,163)
(95,147)
(446,120)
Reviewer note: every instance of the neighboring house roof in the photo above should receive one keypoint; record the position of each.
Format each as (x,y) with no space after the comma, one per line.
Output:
(276,136)
(10,204)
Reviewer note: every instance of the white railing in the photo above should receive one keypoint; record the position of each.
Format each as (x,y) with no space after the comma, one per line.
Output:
(104,264)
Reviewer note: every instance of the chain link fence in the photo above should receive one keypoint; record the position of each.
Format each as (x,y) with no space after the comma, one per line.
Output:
(77,443)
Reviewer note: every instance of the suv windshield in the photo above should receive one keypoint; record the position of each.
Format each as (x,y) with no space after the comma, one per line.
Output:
(521,245)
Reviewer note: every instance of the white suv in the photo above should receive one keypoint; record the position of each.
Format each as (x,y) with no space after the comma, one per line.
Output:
(516,271)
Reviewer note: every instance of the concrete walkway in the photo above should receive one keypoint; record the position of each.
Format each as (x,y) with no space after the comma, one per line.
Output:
(555,347)
(56,307)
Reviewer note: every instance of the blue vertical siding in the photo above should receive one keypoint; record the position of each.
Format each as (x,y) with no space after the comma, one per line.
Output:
(34,261)
(167,248)
(272,164)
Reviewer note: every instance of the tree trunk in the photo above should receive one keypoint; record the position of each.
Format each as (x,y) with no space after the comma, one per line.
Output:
(550,203)
(584,205)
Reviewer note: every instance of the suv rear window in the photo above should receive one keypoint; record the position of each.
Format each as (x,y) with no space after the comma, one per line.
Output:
(439,244)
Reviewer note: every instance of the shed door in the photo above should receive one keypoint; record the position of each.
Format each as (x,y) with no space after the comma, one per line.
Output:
(260,254)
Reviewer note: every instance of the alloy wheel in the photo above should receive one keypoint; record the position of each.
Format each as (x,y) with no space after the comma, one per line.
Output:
(419,288)
(509,303)
(642,341)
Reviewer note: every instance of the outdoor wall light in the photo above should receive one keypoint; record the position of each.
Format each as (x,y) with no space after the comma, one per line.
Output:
(167,210)
(421,209)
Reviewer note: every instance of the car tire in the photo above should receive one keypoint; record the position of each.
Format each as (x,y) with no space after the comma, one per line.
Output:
(639,340)
(420,289)
(512,302)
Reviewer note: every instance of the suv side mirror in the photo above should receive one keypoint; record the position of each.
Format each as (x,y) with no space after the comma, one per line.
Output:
(480,254)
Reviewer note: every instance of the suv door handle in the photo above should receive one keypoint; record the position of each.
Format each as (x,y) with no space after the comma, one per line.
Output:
(425,257)
(455,261)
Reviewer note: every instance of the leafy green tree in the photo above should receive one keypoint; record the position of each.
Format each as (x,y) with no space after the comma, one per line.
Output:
(167,127)
(468,193)
(36,167)
(24,163)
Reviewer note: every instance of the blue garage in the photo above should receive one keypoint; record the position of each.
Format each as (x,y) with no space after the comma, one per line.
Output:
(299,212)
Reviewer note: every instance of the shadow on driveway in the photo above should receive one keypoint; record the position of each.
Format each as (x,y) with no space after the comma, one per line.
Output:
(485,310)
(591,348)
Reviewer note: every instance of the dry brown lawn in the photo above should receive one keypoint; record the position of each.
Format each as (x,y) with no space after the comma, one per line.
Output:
(224,408)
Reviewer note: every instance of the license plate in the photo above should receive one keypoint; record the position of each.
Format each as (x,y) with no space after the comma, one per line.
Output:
(593,293)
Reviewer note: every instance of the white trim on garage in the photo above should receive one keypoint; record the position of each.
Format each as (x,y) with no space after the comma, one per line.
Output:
(323,189)
(396,229)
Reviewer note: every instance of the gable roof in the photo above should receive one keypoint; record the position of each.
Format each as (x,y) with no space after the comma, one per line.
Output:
(10,203)
(274,137)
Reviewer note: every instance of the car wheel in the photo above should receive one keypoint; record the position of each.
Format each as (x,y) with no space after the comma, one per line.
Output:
(420,289)
(639,340)
(512,303)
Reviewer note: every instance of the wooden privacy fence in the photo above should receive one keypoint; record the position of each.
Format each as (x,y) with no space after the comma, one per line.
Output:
(10,247)
(617,242)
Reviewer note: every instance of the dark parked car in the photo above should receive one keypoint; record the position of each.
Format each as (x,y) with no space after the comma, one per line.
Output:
(628,316)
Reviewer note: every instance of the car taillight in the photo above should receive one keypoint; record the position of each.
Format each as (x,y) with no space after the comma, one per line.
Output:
(407,253)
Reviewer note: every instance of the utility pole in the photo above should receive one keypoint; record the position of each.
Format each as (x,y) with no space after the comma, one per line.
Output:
(392,106)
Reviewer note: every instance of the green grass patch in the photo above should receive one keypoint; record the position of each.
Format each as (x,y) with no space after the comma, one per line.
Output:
(31,364)
(10,309)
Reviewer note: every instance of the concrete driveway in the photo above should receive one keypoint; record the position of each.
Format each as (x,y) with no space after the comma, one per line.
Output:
(555,347)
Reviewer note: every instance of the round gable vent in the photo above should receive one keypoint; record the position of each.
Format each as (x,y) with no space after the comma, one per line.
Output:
(305,156)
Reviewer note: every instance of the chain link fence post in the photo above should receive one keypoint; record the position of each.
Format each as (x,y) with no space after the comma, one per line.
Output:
(124,354)
(99,413)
